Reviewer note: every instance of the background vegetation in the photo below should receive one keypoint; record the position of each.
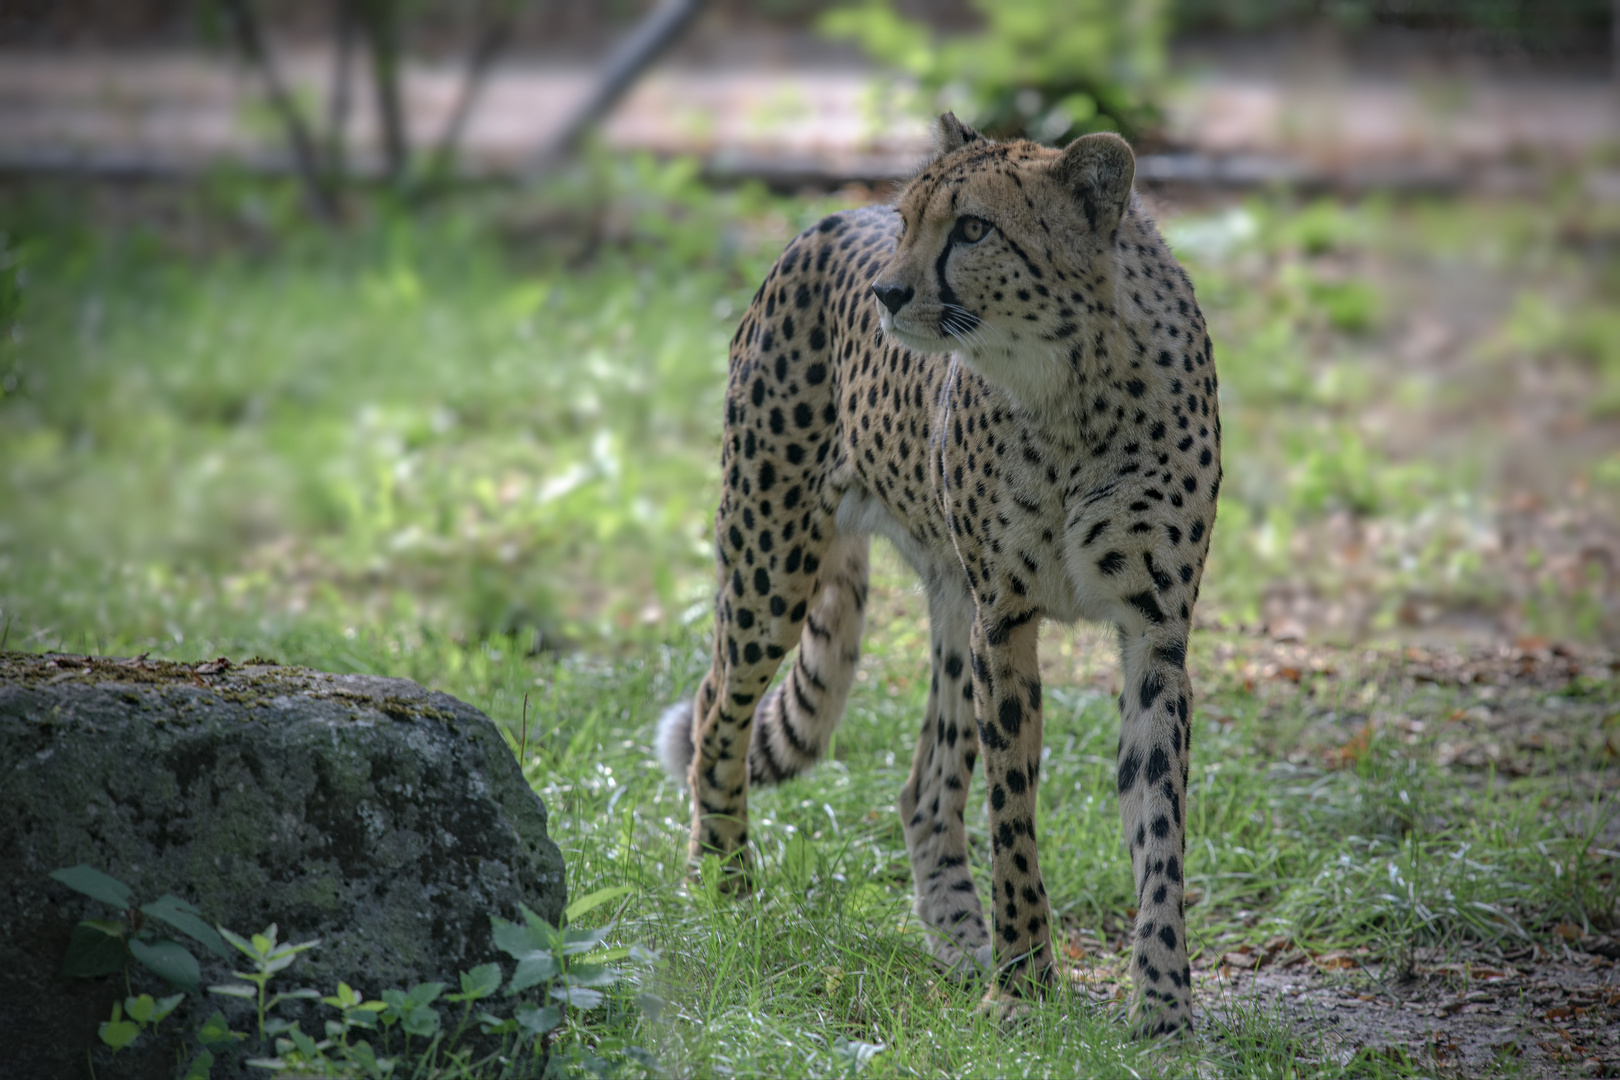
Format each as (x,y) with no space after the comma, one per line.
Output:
(475,444)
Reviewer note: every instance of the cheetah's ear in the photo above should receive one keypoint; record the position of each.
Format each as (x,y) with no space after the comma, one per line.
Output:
(1099,169)
(951,134)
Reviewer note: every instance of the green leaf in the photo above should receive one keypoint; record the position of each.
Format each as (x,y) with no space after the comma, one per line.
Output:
(490,1024)
(188,920)
(346,997)
(293,995)
(577,942)
(139,1009)
(608,956)
(591,975)
(577,996)
(165,1006)
(478,983)
(215,1030)
(593,900)
(514,940)
(96,885)
(117,1034)
(421,1021)
(239,941)
(424,993)
(361,1018)
(535,968)
(200,1066)
(537,1020)
(93,951)
(168,959)
(542,933)
(305,1044)
(240,990)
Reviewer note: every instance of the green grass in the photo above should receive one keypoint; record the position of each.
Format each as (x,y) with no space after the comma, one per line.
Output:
(425,447)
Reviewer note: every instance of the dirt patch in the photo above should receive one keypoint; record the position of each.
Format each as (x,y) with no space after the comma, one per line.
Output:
(1542,1014)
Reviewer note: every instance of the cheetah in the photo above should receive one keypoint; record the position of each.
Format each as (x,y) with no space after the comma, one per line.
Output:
(1006,375)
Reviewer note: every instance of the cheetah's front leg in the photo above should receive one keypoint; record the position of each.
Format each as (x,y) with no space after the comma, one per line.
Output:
(1007,697)
(1155,739)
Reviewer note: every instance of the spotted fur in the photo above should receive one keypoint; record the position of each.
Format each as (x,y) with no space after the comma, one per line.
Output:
(1008,377)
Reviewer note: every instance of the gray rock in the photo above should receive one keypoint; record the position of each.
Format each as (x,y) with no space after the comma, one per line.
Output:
(388,821)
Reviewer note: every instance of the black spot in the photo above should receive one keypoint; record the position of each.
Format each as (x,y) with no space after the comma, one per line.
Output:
(1011,715)
(953,665)
(1128,769)
(818,338)
(751,653)
(816,373)
(1094,532)
(762,581)
(1111,563)
(1151,688)
(1158,764)
(1146,604)
(802,415)
(1161,826)
(998,797)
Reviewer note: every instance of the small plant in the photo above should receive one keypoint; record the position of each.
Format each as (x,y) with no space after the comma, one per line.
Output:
(105,946)
(133,1016)
(269,957)
(566,962)
(568,967)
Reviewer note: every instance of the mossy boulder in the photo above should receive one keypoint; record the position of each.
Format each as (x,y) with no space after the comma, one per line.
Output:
(386,820)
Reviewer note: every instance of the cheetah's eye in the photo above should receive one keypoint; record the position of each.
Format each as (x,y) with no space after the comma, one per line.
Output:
(972,229)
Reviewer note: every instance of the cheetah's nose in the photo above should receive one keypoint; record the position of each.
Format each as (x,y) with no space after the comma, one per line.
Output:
(893,297)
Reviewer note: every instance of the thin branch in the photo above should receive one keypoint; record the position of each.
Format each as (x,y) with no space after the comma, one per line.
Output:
(491,38)
(381,19)
(338,104)
(660,29)
(239,13)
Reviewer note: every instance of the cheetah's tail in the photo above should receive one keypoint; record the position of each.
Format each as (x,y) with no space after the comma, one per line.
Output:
(674,740)
(675,749)
(794,721)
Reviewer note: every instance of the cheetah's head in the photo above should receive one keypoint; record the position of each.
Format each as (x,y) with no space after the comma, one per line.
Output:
(1003,248)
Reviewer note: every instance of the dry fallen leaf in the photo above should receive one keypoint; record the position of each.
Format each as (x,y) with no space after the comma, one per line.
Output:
(1335,961)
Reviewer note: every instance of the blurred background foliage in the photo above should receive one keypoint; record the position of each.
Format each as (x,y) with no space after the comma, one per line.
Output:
(495,413)
(1049,70)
